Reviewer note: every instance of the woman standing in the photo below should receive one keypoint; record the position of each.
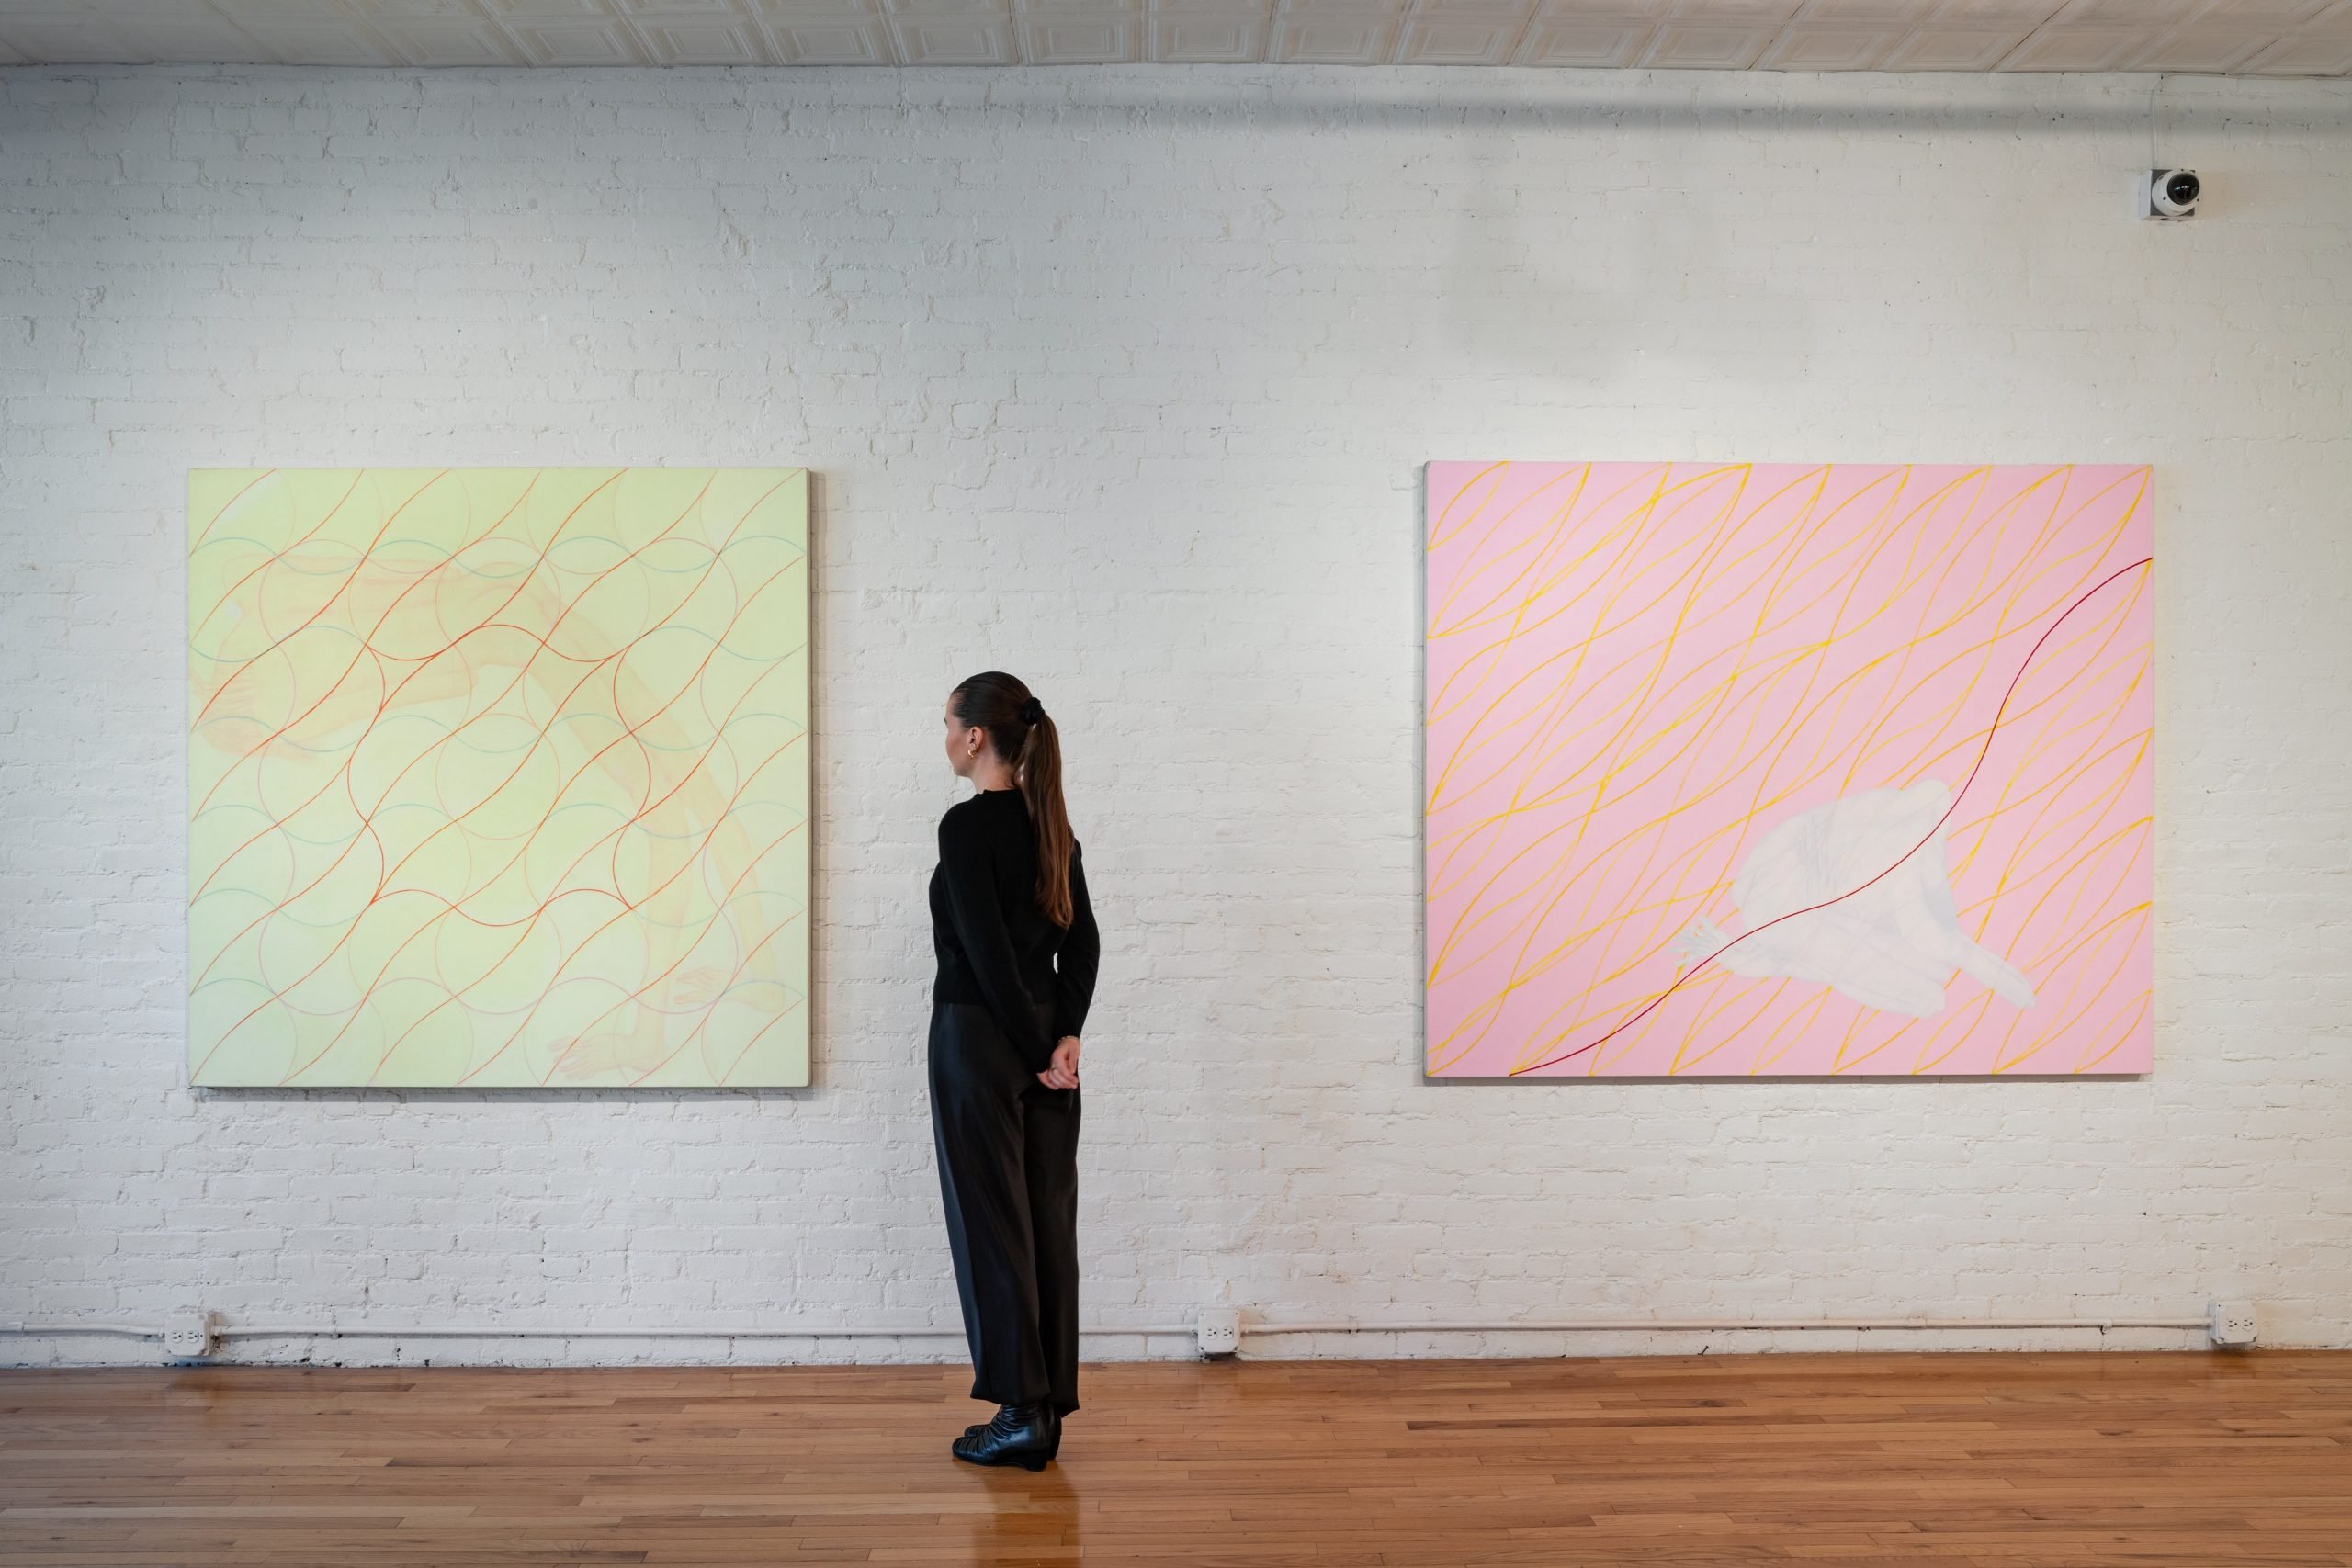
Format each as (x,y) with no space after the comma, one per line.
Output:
(1017,949)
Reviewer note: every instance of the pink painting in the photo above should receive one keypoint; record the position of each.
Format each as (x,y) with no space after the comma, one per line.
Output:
(1736,770)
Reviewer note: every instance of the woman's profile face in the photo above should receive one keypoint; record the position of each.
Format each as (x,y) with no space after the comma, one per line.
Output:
(960,739)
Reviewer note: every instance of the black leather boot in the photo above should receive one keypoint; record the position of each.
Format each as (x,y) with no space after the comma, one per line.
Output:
(1025,1435)
(977,1427)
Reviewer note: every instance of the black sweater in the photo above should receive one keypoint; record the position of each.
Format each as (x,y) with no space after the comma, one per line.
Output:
(995,946)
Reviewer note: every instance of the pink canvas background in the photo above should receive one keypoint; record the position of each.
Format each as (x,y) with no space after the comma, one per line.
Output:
(1633,671)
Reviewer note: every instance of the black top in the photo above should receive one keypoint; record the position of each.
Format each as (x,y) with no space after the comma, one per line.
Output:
(995,946)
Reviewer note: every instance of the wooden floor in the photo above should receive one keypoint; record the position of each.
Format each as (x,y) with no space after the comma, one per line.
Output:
(1945,1460)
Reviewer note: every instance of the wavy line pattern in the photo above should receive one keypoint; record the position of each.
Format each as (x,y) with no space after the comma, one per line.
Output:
(1635,671)
(498,777)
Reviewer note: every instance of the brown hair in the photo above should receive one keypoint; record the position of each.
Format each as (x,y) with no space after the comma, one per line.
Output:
(1004,706)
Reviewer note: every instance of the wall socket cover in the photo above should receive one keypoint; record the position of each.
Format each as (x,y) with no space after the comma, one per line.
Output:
(1220,1329)
(2231,1323)
(189,1334)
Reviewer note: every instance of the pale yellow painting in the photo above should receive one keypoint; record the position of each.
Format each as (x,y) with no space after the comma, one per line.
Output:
(498,777)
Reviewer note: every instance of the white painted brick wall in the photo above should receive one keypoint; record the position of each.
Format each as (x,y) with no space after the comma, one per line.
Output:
(1120,378)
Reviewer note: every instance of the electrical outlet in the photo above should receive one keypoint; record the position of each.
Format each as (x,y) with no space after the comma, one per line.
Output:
(2231,1323)
(189,1335)
(1220,1331)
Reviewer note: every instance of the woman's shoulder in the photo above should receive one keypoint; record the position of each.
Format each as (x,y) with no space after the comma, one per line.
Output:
(969,820)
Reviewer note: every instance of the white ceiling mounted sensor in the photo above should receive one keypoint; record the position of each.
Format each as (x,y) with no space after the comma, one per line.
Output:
(2169,193)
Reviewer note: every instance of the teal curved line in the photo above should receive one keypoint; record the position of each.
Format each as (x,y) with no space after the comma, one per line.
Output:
(350,746)
(342,923)
(720,909)
(276,552)
(791,991)
(797,730)
(203,985)
(211,724)
(707,829)
(769,658)
(316,842)
(329,630)
(234,887)
(536,737)
(400,809)
(233,807)
(565,810)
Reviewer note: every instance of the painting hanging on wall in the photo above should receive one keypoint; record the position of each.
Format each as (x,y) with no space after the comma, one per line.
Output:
(1738,770)
(498,777)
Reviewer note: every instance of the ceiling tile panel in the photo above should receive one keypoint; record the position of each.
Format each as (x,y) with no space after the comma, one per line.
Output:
(67,38)
(1608,10)
(834,43)
(1754,13)
(577,43)
(1682,47)
(1080,41)
(549,10)
(307,38)
(706,44)
(1852,12)
(792,13)
(1571,44)
(1333,39)
(2302,56)
(405,10)
(1955,49)
(946,10)
(2254,14)
(1485,11)
(956,40)
(1803,48)
(1360,10)
(1427,41)
(2022,14)
(423,42)
(1182,37)
(155,29)
(2151,15)
(2056,47)
(2205,49)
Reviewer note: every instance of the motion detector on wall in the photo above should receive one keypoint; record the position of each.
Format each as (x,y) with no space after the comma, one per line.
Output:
(2169,193)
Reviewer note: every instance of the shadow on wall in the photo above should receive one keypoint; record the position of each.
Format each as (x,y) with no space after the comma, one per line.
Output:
(1572,261)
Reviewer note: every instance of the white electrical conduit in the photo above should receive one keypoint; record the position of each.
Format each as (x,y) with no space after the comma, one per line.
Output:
(1562,1325)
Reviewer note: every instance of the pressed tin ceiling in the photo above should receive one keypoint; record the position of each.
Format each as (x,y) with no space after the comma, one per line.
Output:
(2261,38)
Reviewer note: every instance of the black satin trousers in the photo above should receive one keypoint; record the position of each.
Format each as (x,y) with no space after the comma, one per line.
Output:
(1007,1178)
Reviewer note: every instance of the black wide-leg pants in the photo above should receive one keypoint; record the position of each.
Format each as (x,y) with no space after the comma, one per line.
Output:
(1008,1178)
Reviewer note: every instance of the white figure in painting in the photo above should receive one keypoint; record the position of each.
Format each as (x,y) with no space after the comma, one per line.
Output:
(1890,944)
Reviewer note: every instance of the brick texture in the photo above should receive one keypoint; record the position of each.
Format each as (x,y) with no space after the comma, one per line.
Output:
(1120,378)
